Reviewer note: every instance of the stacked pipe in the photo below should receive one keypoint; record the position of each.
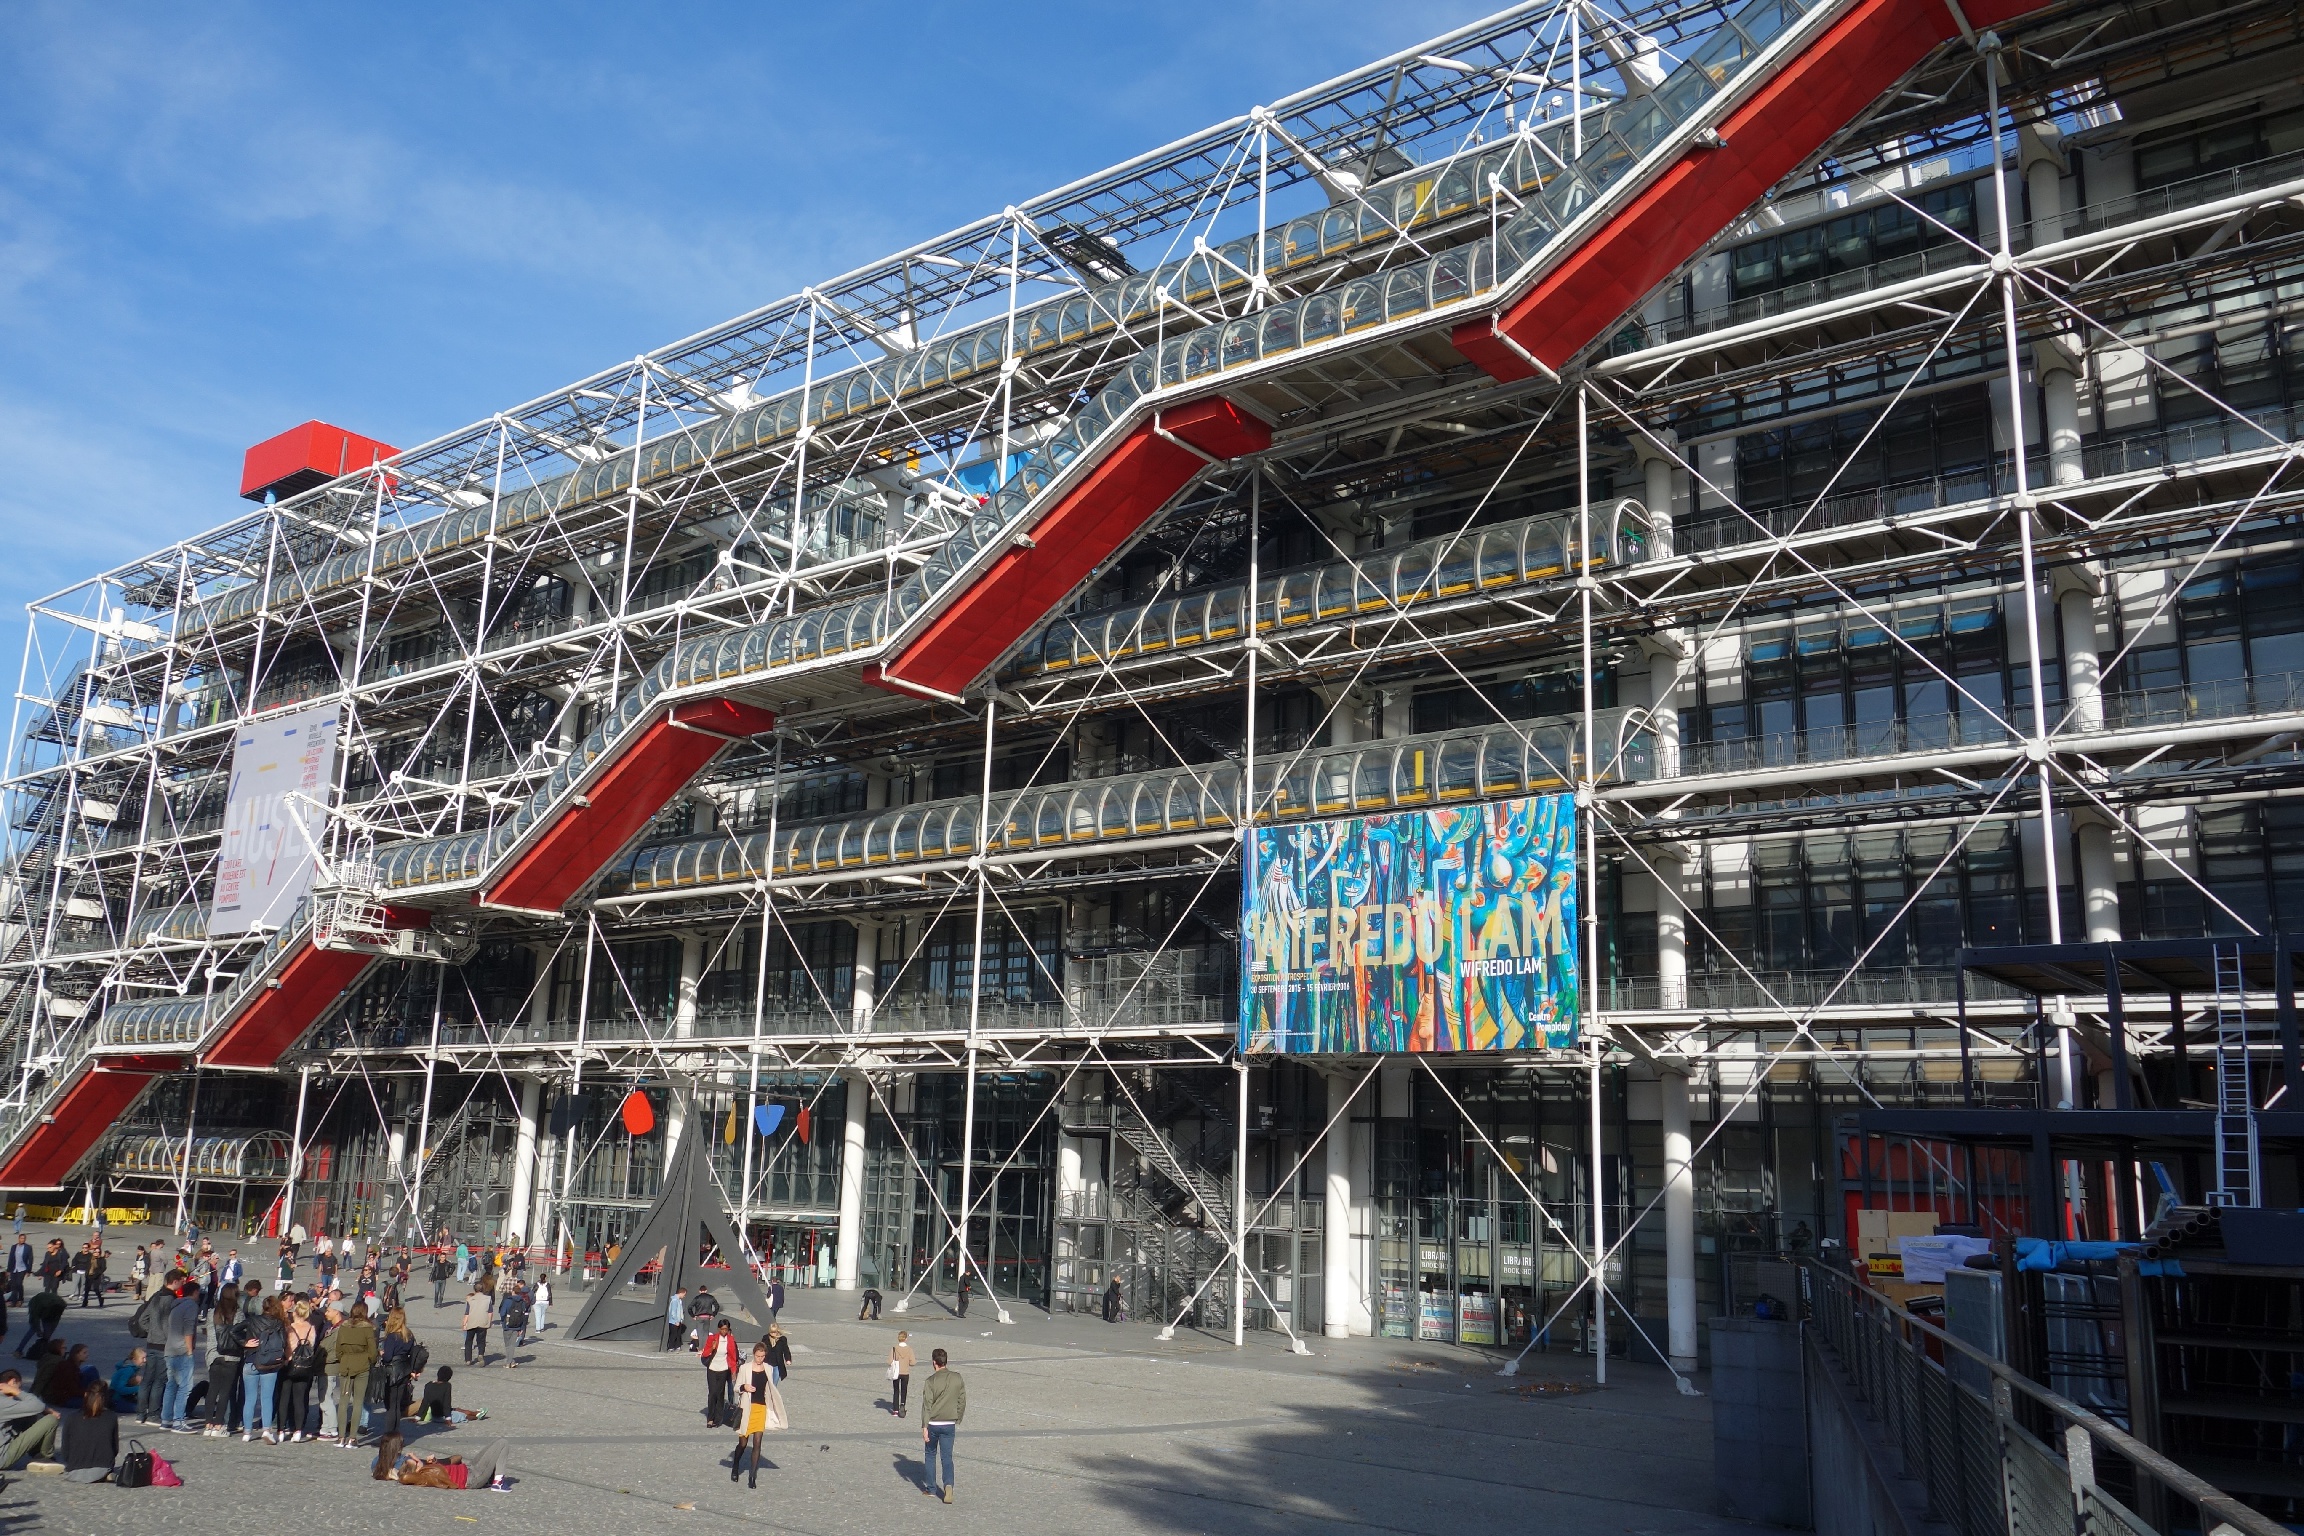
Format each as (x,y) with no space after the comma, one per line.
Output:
(2184,1226)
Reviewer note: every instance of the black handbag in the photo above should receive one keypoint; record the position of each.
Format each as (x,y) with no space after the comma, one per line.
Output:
(135,1470)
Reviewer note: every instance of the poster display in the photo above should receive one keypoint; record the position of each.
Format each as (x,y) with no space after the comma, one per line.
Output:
(1439,930)
(266,862)
(1436,1316)
(1475,1318)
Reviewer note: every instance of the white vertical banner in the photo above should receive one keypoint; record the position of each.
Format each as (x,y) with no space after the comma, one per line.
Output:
(267,861)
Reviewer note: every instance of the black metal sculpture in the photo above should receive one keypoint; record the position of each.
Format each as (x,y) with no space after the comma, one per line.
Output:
(687,1213)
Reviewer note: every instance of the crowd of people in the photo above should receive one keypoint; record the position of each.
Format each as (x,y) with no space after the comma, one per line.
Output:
(336,1360)
(215,1354)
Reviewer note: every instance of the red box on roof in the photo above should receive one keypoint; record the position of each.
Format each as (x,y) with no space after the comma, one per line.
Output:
(303,457)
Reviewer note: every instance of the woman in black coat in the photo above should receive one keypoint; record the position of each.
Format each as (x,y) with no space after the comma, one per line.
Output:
(90,1438)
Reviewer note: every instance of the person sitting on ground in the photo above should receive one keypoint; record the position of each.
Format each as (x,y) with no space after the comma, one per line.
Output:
(57,1379)
(91,1438)
(128,1380)
(31,1421)
(440,1405)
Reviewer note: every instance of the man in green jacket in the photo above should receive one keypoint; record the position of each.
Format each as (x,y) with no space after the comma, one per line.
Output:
(942,1407)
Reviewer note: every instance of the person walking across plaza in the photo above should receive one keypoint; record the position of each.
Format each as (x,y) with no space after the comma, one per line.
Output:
(93,1265)
(779,1352)
(762,1407)
(943,1404)
(442,1269)
(676,1316)
(54,1266)
(20,1262)
(478,1304)
(901,1361)
(512,1317)
(542,1304)
(719,1372)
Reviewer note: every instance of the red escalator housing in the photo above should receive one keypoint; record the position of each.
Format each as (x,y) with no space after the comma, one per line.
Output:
(1132,482)
(85,1112)
(656,764)
(290,1003)
(1787,119)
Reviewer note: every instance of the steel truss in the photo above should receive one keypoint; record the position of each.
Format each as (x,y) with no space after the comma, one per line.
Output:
(478,605)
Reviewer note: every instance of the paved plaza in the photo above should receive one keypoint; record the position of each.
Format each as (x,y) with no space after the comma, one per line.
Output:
(1072,1426)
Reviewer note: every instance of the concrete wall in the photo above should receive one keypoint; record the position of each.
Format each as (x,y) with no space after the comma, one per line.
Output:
(1759,1421)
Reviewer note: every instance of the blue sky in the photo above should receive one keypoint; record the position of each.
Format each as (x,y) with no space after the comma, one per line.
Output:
(219,220)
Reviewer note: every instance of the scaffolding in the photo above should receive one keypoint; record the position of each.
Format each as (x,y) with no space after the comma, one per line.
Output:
(1870,492)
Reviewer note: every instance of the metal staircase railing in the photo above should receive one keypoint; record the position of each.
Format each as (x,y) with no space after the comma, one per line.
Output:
(1205,1187)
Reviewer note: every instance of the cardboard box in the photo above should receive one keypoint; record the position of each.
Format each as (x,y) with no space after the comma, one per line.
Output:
(1877,1231)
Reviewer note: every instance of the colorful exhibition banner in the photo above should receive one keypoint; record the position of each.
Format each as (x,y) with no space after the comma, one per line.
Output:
(266,865)
(1442,930)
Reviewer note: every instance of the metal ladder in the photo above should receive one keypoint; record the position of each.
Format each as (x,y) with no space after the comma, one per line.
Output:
(2238,1169)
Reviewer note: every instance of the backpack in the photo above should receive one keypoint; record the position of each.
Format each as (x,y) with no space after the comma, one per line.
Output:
(303,1358)
(418,1359)
(271,1345)
(140,1326)
(135,1467)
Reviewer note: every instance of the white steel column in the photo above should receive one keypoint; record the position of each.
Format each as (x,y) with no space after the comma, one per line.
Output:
(1240,1214)
(2026,505)
(395,1131)
(184,1167)
(1336,1269)
(517,1214)
(575,1115)
(2083,684)
(850,1241)
(2099,878)
(864,993)
(2056,354)
(415,1185)
(295,1152)
(983,871)
(1679,1225)
(1671,928)
(683,1028)
(1599,1205)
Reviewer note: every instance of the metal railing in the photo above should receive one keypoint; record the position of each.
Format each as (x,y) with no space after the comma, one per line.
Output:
(2190,443)
(2228,698)
(2017,1462)
(1738,990)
